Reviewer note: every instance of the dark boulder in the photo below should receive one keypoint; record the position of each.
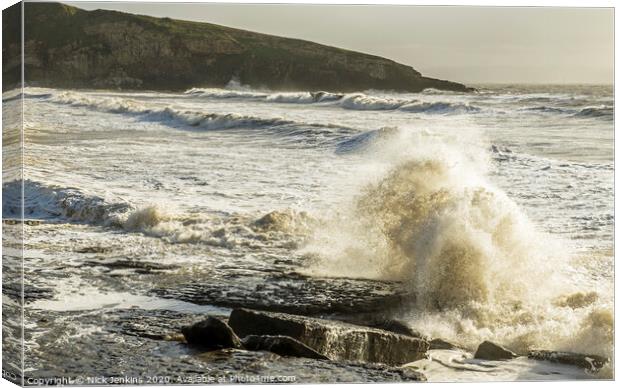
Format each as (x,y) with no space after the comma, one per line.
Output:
(585,361)
(336,340)
(490,351)
(281,345)
(212,333)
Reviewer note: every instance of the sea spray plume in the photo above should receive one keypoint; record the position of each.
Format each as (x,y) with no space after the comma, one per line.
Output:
(479,268)
(440,232)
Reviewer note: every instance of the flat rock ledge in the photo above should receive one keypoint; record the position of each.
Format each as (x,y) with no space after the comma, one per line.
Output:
(336,340)
(588,362)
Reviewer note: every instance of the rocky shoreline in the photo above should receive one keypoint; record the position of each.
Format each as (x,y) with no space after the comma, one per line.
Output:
(148,342)
(325,341)
(241,324)
(250,343)
(306,337)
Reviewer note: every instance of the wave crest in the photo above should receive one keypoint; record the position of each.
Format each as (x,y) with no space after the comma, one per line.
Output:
(354,101)
(603,111)
(190,118)
(56,203)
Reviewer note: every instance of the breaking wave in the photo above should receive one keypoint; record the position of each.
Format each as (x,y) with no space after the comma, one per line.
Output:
(282,97)
(69,204)
(439,107)
(601,111)
(363,141)
(480,270)
(194,119)
(224,93)
(354,101)
(279,228)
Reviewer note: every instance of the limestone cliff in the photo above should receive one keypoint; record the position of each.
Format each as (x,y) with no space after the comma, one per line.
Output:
(73,48)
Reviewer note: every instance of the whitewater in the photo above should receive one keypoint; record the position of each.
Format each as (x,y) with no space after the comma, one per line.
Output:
(493,209)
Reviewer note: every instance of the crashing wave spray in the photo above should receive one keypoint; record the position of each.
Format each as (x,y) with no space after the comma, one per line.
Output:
(478,267)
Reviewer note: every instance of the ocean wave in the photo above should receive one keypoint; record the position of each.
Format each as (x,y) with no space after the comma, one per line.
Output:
(276,97)
(57,203)
(190,118)
(278,228)
(602,111)
(291,98)
(439,107)
(364,140)
(547,109)
(353,101)
(224,93)
(365,102)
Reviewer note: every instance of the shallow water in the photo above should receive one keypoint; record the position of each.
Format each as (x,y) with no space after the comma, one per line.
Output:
(488,215)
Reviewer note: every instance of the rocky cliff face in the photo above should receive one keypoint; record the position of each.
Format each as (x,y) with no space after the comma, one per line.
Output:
(69,47)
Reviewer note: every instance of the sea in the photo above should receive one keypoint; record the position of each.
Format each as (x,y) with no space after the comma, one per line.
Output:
(491,213)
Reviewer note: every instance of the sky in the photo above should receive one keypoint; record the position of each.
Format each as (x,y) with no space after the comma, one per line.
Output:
(473,45)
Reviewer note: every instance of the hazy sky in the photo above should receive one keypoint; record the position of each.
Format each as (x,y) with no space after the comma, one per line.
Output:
(467,44)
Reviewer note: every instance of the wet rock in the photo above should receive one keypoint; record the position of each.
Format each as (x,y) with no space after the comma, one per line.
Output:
(281,345)
(378,321)
(398,327)
(336,340)
(438,343)
(588,362)
(490,351)
(293,294)
(212,333)
(144,266)
(151,324)
(61,350)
